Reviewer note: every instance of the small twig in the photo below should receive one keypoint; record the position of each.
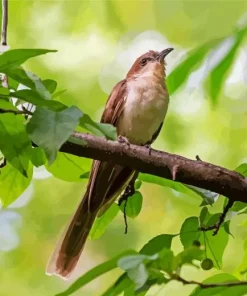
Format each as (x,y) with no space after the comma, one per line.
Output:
(206,286)
(216,226)
(128,192)
(4,22)
(198,158)
(16,112)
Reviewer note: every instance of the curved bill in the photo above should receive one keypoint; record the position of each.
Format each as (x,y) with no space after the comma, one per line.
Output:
(164,53)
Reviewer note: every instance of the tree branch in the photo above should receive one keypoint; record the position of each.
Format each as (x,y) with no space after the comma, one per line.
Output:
(206,286)
(4,22)
(192,172)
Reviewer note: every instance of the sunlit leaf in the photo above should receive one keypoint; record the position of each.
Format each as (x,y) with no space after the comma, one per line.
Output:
(132,206)
(14,141)
(193,60)
(13,183)
(103,221)
(218,75)
(68,167)
(188,256)
(50,130)
(16,57)
(165,262)
(242,169)
(93,274)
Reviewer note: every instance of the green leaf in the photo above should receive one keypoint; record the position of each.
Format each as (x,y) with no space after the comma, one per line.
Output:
(133,261)
(98,129)
(49,130)
(132,206)
(103,221)
(138,184)
(188,256)
(13,183)
(157,244)
(4,91)
(208,197)
(189,231)
(193,60)
(58,93)
(138,275)
(218,75)
(182,188)
(204,216)
(36,99)
(215,245)
(50,85)
(20,75)
(136,270)
(93,274)
(68,167)
(221,291)
(15,144)
(5,104)
(122,283)
(16,57)
(242,169)
(165,262)
(38,157)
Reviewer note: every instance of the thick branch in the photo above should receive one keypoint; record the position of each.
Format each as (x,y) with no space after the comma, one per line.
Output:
(198,173)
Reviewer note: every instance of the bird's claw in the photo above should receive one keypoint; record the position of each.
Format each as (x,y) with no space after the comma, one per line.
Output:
(123,140)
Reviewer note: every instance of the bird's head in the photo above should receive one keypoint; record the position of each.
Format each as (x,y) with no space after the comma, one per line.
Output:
(151,63)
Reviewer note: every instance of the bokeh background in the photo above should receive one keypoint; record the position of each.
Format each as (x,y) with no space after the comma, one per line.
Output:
(97,41)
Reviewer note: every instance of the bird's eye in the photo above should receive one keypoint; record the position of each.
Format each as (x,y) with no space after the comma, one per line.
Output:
(144,61)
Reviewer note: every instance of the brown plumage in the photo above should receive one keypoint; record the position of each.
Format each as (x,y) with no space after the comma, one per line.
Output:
(141,97)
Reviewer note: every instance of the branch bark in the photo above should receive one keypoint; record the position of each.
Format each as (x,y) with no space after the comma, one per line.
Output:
(4,22)
(192,172)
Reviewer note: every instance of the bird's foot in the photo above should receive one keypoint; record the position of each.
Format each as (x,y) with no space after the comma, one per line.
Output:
(148,146)
(123,140)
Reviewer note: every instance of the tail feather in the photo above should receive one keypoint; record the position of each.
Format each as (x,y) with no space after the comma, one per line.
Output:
(68,250)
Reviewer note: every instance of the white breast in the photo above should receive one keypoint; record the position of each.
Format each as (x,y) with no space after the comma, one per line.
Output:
(144,110)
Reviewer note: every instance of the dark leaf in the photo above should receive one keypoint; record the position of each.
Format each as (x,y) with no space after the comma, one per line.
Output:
(50,85)
(157,244)
(16,57)
(50,130)
(189,231)
(132,206)
(38,157)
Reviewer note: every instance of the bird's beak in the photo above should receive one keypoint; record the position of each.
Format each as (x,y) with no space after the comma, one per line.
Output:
(164,53)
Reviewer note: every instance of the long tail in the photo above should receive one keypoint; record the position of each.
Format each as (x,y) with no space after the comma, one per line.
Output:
(68,250)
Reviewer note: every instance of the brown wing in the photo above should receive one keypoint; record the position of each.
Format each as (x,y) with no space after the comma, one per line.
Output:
(114,104)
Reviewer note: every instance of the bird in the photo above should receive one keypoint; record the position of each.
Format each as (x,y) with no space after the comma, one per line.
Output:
(137,107)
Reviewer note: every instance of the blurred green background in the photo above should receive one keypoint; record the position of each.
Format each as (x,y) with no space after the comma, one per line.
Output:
(97,41)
